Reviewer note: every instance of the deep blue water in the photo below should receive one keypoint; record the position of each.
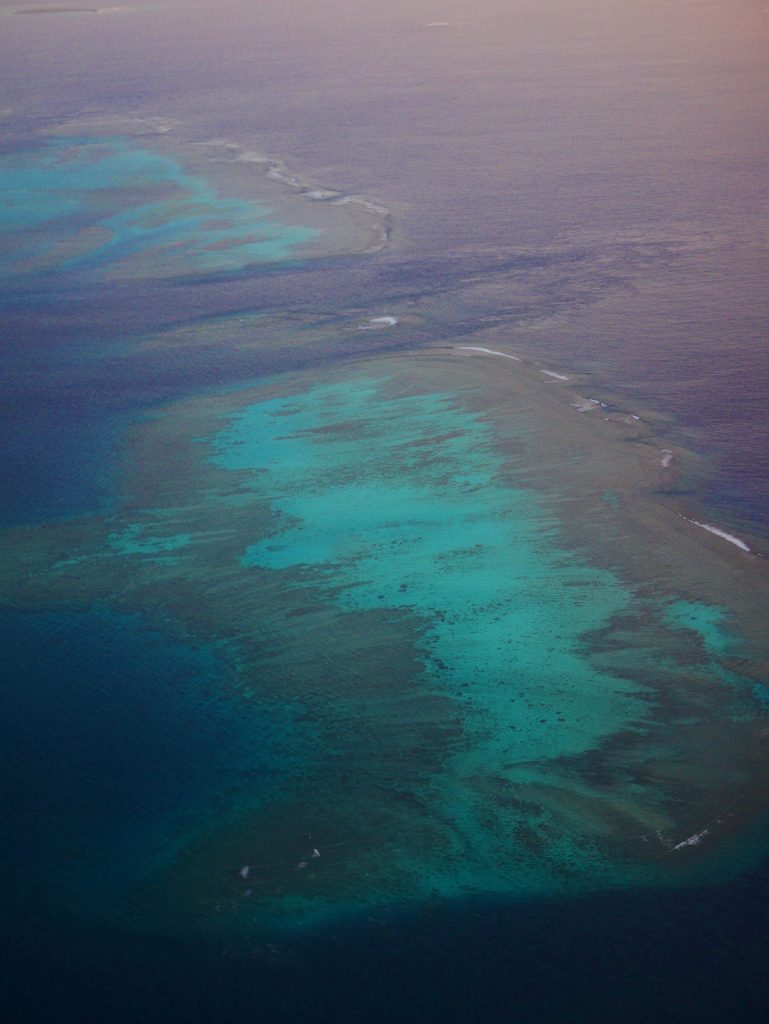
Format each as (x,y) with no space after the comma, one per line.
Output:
(593,188)
(673,958)
(116,741)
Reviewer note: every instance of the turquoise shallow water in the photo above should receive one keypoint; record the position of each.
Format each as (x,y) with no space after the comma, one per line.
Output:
(400,504)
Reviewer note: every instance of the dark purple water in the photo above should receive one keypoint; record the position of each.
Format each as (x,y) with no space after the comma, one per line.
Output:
(626,143)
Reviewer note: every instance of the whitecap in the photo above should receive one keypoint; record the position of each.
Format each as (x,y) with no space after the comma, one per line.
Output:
(367,204)
(720,533)
(488,351)
(377,322)
(557,376)
(694,840)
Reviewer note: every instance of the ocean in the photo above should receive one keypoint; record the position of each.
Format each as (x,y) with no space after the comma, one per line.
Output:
(385,522)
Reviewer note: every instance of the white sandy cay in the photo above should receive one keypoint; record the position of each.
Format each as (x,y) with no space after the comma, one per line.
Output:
(667,458)
(488,351)
(720,533)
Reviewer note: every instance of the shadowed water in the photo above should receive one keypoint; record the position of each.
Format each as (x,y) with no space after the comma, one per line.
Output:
(117,740)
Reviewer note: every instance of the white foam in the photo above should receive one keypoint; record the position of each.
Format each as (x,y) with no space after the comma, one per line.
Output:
(287,179)
(488,351)
(720,533)
(667,458)
(377,322)
(245,871)
(694,840)
(557,376)
(247,157)
(367,204)
(586,405)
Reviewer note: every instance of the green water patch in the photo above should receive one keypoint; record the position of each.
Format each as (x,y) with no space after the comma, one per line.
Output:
(110,206)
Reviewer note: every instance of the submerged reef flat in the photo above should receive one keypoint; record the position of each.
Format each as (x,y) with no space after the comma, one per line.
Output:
(341,223)
(129,201)
(523,671)
(106,206)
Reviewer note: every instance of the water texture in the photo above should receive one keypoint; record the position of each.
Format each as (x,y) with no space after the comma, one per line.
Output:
(344,680)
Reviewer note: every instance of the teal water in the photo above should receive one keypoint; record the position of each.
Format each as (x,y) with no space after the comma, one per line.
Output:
(399,504)
(110,206)
(710,625)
